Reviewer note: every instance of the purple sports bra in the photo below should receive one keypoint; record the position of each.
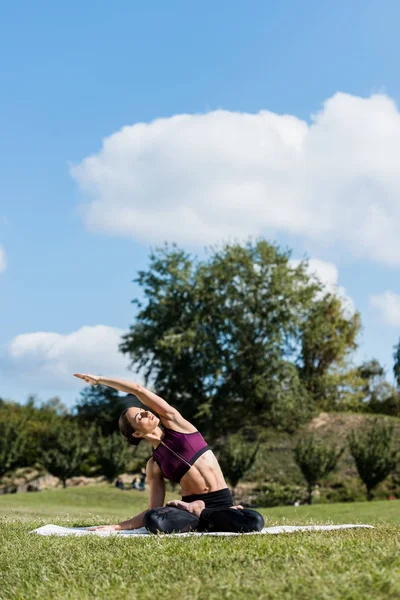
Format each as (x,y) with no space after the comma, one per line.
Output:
(177,452)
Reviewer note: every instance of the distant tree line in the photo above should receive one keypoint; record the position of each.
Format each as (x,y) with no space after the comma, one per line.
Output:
(67,445)
(48,437)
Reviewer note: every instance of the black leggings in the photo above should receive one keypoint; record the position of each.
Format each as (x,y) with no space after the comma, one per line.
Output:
(216,516)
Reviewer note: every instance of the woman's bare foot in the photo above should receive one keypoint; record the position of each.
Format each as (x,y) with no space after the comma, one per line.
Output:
(195,507)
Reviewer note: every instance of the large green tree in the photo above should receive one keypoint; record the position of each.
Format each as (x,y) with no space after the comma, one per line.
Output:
(223,338)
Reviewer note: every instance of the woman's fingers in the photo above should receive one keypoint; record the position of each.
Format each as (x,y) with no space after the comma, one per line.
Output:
(172,503)
(81,376)
(92,379)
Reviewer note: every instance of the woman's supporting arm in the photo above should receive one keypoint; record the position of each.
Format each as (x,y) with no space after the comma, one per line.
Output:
(156,484)
(156,499)
(134,523)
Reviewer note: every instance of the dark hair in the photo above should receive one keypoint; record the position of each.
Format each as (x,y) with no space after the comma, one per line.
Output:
(127,430)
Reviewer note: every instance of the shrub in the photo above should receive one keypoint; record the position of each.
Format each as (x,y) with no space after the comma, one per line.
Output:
(374,454)
(274,494)
(316,460)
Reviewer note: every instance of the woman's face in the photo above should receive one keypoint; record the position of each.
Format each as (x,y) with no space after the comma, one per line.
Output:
(143,421)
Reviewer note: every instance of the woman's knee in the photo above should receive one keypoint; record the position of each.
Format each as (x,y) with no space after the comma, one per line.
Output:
(153,522)
(254,521)
(168,519)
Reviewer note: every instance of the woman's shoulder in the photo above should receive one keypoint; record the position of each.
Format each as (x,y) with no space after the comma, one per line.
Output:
(179,425)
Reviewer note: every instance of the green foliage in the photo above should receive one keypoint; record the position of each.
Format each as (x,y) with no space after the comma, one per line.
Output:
(374,453)
(275,494)
(236,458)
(396,366)
(65,447)
(328,337)
(34,423)
(12,445)
(112,454)
(54,406)
(315,460)
(39,427)
(238,336)
(101,407)
(291,406)
(345,490)
(378,395)
(388,405)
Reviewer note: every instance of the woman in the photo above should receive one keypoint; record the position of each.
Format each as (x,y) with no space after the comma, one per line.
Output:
(180,454)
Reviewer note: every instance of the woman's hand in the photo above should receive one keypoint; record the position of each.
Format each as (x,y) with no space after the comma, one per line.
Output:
(104,528)
(92,379)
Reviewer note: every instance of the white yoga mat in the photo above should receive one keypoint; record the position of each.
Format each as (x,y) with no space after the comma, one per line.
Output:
(142,532)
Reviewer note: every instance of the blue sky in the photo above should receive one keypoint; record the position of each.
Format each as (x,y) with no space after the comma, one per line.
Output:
(74,231)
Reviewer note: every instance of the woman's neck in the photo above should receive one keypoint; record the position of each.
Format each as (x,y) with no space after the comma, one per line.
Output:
(155,437)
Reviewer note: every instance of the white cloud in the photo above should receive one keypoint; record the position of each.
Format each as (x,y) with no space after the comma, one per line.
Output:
(47,361)
(327,274)
(388,303)
(203,178)
(3,260)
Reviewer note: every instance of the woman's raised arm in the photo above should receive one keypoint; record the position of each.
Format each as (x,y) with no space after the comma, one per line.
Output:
(148,398)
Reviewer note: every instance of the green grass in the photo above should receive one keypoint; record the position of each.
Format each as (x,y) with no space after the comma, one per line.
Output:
(352,564)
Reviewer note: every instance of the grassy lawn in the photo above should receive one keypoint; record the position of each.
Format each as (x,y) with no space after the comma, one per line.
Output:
(353,564)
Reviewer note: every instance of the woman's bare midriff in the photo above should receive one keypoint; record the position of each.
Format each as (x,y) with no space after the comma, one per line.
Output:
(203,477)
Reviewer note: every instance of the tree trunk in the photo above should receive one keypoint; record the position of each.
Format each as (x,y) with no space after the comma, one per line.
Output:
(369,495)
(64,482)
(309,496)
